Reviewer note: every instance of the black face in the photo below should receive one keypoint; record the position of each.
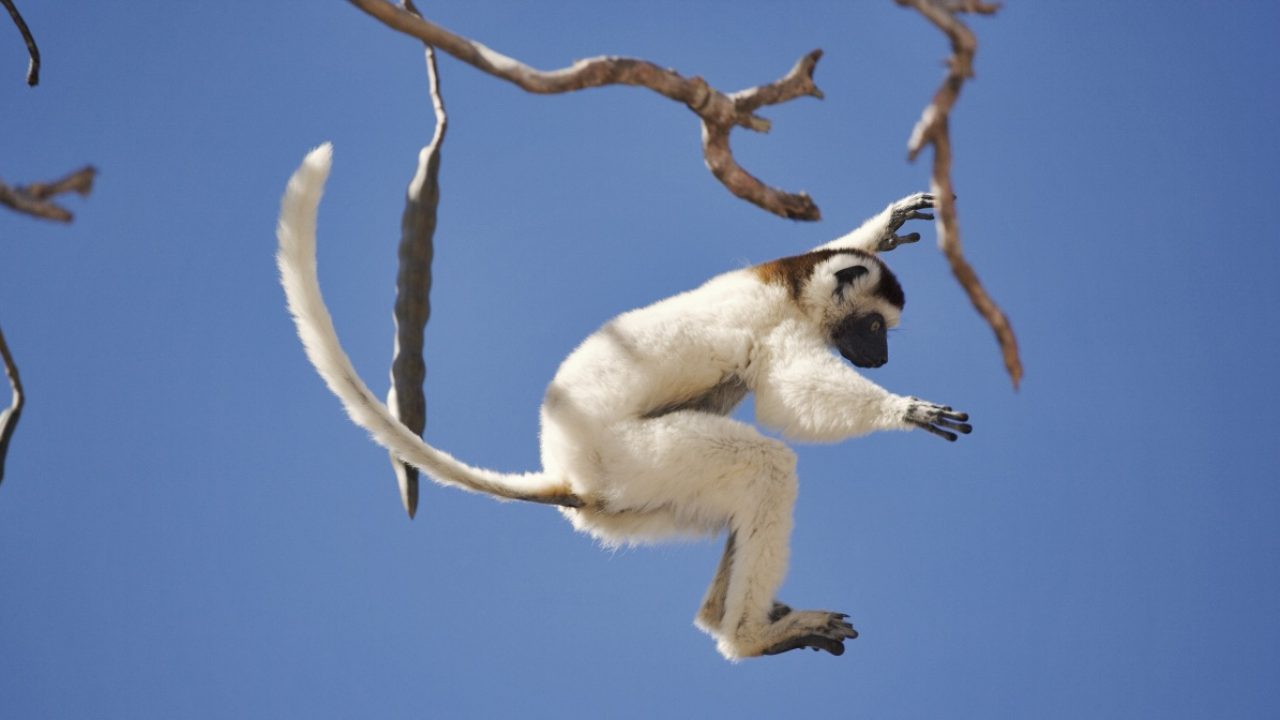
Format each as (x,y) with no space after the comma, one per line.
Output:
(863,340)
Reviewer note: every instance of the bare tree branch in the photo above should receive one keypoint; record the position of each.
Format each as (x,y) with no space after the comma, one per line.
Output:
(719,112)
(9,418)
(33,68)
(35,200)
(413,288)
(932,129)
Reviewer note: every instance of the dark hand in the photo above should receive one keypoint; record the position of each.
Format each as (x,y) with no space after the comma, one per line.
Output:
(937,419)
(908,208)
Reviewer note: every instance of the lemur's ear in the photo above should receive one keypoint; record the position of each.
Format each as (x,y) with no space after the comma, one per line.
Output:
(849,274)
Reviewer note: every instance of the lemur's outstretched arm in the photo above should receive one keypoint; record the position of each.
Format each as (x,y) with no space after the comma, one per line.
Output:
(878,234)
(810,394)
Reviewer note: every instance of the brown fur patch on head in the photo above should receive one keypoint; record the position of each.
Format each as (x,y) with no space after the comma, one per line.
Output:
(792,272)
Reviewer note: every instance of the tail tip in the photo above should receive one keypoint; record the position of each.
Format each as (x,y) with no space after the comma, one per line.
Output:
(321,157)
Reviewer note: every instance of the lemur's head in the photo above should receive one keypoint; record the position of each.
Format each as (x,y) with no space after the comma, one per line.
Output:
(850,294)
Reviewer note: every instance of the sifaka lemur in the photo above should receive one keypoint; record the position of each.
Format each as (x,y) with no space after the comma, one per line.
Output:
(636,440)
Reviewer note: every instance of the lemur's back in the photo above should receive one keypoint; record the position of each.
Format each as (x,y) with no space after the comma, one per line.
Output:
(669,353)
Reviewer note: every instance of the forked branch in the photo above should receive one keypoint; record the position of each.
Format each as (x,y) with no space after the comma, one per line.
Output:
(719,112)
(35,199)
(932,129)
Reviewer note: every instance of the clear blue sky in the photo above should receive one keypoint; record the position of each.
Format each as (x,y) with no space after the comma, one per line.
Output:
(190,527)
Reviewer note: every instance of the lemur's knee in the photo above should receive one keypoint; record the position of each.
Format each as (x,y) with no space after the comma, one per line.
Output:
(777,476)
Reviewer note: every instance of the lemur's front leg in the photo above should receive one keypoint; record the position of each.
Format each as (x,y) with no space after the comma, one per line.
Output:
(879,233)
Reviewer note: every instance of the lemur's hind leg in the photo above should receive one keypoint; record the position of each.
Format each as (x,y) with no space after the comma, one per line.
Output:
(712,610)
(754,622)
(708,472)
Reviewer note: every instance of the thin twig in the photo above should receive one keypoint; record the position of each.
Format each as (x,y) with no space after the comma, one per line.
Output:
(35,200)
(406,398)
(9,418)
(719,112)
(932,129)
(33,68)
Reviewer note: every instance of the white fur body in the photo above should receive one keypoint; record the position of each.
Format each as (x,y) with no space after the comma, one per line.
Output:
(628,420)
(636,444)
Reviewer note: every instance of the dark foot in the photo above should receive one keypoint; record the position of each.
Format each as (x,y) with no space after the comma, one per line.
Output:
(829,637)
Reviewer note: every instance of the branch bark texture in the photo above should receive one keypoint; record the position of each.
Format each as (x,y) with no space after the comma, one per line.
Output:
(36,199)
(932,129)
(33,68)
(719,112)
(9,417)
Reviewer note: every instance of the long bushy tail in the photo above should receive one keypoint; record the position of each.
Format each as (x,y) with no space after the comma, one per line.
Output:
(297,260)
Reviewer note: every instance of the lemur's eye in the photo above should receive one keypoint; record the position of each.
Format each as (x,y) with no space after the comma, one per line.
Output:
(875,326)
